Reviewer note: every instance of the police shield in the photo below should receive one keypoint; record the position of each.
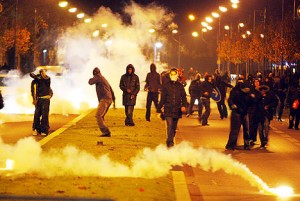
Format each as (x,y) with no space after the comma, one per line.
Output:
(216,95)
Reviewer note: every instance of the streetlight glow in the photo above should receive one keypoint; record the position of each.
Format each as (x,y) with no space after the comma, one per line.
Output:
(96,33)
(174,31)
(151,30)
(192,17)
(204,29)
(241,24)
(104,25)
(222,9)
(72,10)
(205,24)
(63,4)
(80,15)
(234,5)
(235,1)
(226,27)
(209,27)
(195,34)
(87,20)
(158,44)
(215,14)
(248,33)
(209,19)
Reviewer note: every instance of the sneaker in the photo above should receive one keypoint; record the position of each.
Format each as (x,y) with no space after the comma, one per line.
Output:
(296,128)
(187,115)
(34,132)
(44,134)
(229,148)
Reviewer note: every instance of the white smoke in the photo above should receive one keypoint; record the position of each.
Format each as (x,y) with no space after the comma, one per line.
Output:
(129,43)
(28,158)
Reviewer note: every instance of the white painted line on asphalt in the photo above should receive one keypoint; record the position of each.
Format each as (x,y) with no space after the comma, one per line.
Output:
(180,186)
(63,128)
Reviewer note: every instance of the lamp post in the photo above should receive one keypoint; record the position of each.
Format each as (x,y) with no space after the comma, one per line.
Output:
(157,45)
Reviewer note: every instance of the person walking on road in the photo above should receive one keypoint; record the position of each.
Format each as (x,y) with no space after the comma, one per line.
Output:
(206,91)
(130,85)
(292,96)
(195,92)
(238,103)
(105,96)
(265,107)
(42,102)
(153,86)
(173,101)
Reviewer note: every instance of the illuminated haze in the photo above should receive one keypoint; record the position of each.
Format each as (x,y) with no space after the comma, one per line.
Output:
(28,157)
(82,52)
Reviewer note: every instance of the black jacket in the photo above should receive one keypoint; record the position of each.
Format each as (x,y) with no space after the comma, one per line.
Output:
(153,83)
(129,81)
(173,97)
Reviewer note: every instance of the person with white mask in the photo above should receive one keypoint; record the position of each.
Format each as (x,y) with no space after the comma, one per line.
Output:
(173,101)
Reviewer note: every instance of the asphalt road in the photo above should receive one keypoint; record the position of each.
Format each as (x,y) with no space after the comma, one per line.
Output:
(239,180)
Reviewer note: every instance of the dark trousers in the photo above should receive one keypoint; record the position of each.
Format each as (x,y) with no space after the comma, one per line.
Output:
(206,104)
(151,97)
(192,102)
(281,106)
(171,130)
(41,116)
(253,124)
(236,121)
(129,114)
(263,129)
(222,109)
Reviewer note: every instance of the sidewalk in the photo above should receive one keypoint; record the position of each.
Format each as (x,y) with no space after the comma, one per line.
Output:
(82,134)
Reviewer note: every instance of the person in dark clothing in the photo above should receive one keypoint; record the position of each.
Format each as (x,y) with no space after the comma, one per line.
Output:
(1,101)
(173,100)
(105,96)
(195,92)
(280,90)
(292,95)
(130,85)
(252,110)
(153,86)
(222,85)
(238,103)
(42,102)
(265,106)
(206,90)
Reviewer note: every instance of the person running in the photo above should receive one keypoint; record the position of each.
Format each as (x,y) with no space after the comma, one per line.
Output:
(130,85)
(105,96)
(153,86)
(173,101)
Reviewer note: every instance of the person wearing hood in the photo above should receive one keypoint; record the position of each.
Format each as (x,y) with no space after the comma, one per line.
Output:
(43,93)
(105,96)
(206,91)
(238,102)
(130,85)
(173,101)
(153,86)
(293,95)
(266,103)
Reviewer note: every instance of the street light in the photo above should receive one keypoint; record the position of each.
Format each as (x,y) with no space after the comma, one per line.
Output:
(157,45)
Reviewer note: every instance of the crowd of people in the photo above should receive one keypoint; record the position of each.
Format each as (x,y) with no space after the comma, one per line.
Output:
(254,101)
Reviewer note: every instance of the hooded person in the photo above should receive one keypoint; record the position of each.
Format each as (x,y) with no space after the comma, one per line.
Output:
(105,96)
(130,86)
(173,101)
(238,102)
(153,86)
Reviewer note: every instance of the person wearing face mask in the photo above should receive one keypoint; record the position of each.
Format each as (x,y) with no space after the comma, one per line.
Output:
(173,101)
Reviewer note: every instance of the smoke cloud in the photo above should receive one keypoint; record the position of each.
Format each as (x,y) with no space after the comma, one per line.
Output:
(121,41)
(149,163)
